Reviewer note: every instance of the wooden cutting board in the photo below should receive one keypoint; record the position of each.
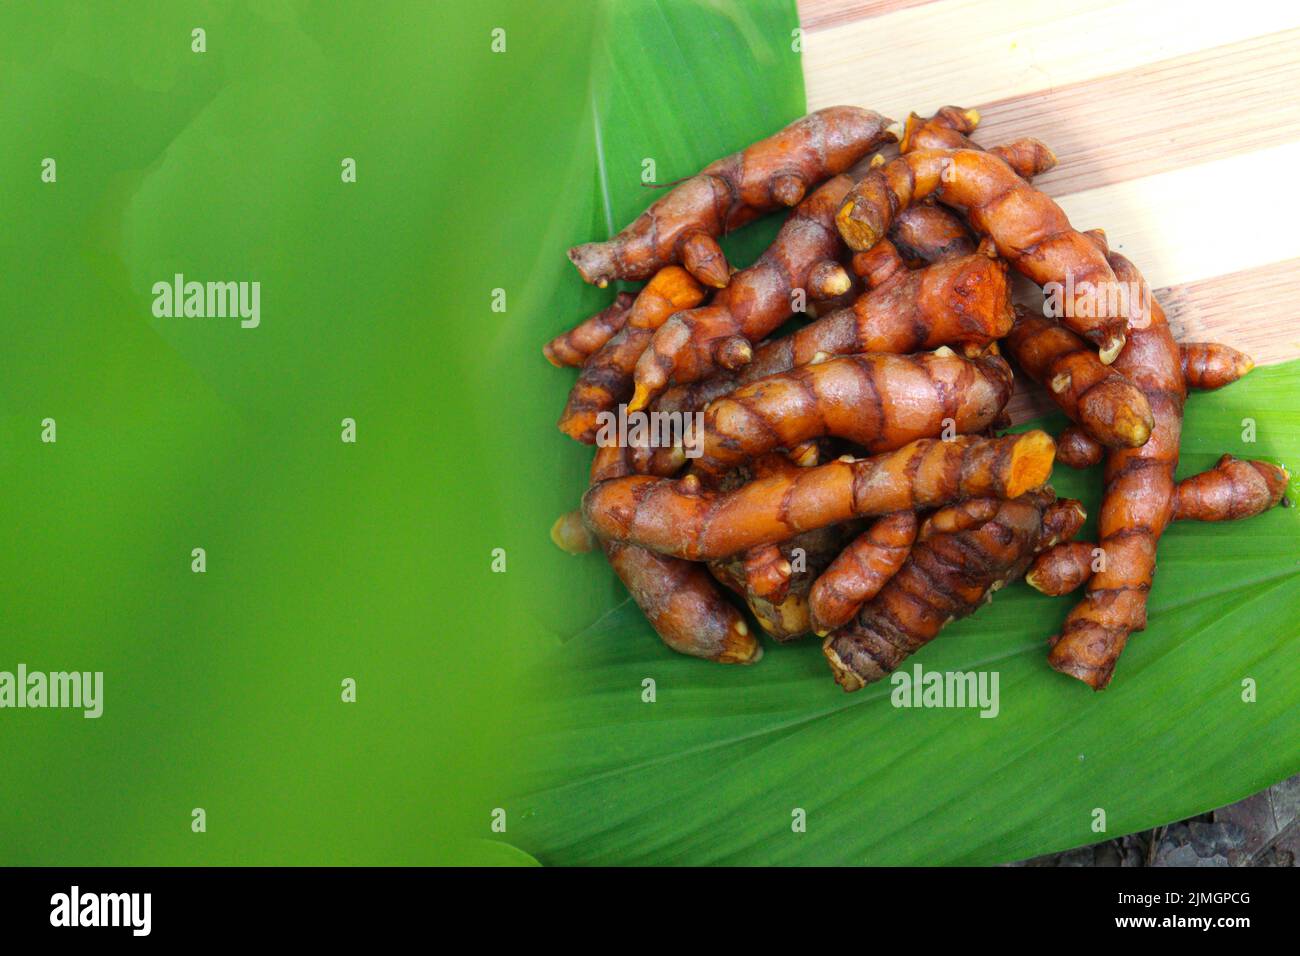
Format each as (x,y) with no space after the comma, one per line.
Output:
(1176,124)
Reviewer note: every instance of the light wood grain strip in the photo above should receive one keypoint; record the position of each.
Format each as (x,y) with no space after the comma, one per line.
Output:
(972,52)
(1177,112)
(821,14)
(1208,220)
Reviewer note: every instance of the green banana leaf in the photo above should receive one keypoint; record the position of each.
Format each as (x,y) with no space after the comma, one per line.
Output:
(676,83)
(726,763)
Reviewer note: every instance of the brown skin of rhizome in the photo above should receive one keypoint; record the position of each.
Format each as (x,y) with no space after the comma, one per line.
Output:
(847,478)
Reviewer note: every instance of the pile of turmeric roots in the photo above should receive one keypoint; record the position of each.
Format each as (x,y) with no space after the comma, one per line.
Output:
(847,478)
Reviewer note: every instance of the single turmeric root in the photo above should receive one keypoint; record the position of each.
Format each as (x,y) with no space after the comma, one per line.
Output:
(693,344)
(678,598)
(606,378)
(1231,490)
(878,264)
(860,571)
(1137,505)
(1030,230)
(875,400)
(571,535)
(575,346)
(818,308)
(681,518)
(963,553)
(766,572)
(1209,365)
(949,129)
(1075,448)
(964,303)
(927,233)
(1062,520)
(684,225)
(683,605)
(1108,406)
(827,280)
(1063,568)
